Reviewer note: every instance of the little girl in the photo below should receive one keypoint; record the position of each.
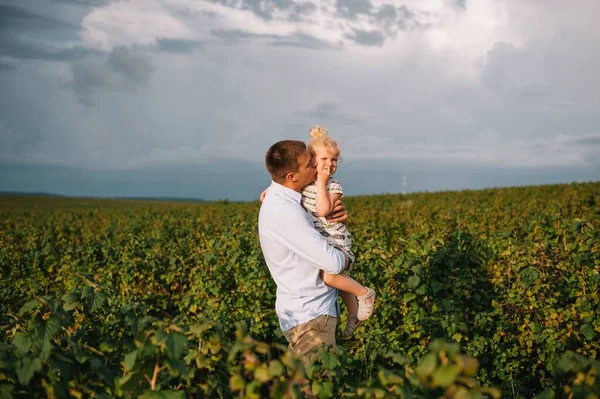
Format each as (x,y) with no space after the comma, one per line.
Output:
(318,199)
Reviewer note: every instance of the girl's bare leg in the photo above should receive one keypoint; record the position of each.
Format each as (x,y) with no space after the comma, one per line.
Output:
(344,283)
(350,302)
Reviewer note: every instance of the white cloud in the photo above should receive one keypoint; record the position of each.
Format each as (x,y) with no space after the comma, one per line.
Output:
(123,23)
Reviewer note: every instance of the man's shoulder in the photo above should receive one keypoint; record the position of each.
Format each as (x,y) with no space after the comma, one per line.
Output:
(277,203)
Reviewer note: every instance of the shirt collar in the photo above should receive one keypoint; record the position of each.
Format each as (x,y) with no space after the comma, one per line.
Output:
(294,195)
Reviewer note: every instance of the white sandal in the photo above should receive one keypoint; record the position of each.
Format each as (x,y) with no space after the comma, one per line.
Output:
(351,326)
(365,309)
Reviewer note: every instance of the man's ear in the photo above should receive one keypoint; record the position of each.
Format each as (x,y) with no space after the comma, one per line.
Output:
(291,177)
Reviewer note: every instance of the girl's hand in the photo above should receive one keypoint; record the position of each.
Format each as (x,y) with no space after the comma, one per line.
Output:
(262,195)
(323,174)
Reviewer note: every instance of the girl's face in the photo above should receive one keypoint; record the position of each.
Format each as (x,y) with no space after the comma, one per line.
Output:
(326,159)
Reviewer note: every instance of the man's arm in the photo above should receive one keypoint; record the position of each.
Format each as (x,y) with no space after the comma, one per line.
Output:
(295,230)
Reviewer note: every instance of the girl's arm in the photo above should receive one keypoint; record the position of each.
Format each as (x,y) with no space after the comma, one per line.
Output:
(325,200)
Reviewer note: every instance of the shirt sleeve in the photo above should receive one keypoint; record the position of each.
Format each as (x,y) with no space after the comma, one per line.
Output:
(294,229)
(334,187)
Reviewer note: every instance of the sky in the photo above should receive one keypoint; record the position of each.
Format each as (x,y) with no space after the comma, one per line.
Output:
(182,98)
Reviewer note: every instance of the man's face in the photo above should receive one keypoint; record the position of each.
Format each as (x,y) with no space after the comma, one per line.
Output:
(307,169)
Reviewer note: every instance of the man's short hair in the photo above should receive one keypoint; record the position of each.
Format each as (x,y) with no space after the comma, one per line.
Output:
(282,158)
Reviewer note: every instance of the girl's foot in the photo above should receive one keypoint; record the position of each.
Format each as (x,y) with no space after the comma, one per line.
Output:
(365,305)
(351,325)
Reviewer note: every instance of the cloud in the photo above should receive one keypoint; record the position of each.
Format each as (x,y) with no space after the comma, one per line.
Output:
(11,46)
(489,148)
(24,20)
(306,41)
(124,68)
(352,8)
(296,39)
(329,111)
(495,84)
(301,11)
(84,3)
(368,38)
(6,67)
(178,45)
(238,34)
(261,8)
(132,23)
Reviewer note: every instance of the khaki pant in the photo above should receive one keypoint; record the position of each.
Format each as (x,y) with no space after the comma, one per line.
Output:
(305,338)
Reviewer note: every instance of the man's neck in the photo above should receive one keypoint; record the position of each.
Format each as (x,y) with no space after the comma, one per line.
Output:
(291,186)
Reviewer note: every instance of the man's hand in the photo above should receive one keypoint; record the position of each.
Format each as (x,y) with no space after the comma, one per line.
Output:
(338,213)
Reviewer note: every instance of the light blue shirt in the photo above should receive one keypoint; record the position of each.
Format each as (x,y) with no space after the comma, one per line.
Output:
(295,253)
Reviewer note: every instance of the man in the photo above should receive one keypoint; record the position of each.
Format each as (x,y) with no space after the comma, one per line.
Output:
(295,252)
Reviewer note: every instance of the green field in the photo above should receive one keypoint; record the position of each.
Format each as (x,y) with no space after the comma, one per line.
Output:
(118,298)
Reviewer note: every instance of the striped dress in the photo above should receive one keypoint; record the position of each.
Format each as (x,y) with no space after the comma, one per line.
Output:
(336,233)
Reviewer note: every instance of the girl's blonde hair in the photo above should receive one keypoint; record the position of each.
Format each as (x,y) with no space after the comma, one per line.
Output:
(320,137)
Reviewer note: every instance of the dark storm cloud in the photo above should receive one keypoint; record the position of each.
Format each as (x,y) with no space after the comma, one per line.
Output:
(367,38)
(85,3)
(16,18)
(125,68)
(178,45)
(132,64)
(6,67)
(11,46)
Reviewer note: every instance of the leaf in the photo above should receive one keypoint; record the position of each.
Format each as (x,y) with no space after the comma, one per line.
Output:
(262,373)
(22,342)
(530,276)
(326,390)
(71,300)
(45,329)
(413,281)
(588,332)
(129,381)
(27,369)
(97,301)
(129,360)
(457,337)
(418,269)
(445,375)
(236,383)
(6,391)
(409,296)
(468,364)
(178,368)
(276,368)
(176,343)
(86,292)
(427,365)
(28,307)
(162,395)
